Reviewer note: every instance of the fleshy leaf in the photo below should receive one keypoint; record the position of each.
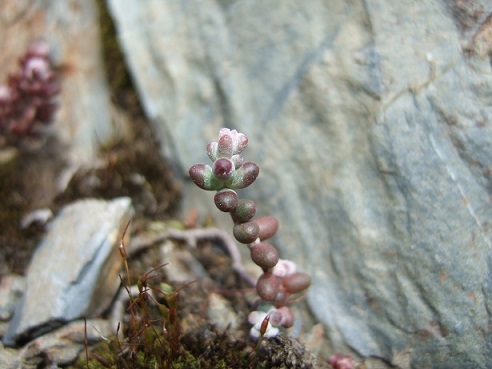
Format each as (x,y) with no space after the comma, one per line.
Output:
(212,149)
(204,178)
(264,255)
(244,176)
(223,168)
(267,286)
(244,211)
(246,232)
(268,226)
(226,200)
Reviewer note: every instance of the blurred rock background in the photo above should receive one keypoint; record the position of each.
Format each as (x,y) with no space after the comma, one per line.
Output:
(371,123)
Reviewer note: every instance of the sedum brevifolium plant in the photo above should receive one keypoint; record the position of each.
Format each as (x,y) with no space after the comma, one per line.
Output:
(280,282)
(28,98)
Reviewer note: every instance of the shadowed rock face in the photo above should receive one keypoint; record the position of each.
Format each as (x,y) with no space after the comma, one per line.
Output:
(371,122)
(74,271)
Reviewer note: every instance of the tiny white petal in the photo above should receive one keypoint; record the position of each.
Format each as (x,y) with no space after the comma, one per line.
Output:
(271,332)
(256,317)
(284,267)
(254,333)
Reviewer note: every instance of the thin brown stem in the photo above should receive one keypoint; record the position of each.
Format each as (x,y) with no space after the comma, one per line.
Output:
(192,237)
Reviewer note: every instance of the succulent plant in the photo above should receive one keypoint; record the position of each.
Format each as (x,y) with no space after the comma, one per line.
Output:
(27,100)
(280,280)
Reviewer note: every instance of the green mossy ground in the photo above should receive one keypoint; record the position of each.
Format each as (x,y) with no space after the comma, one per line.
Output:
(207,348)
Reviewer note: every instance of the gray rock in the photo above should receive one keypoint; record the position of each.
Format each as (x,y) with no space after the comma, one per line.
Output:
(8,358)
(60,347)
(74,271)
(371,122)
(11,288)
(221,313)
(64,345)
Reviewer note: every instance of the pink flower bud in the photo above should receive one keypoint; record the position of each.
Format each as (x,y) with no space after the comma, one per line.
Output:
(225,145)
(37,67)
(212,149)
(231,142)
(241,142)
(223,168)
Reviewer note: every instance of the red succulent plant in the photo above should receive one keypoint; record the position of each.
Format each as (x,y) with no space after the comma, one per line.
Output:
(28,98)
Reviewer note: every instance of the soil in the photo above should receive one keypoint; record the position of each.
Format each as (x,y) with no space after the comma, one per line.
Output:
(132,166)
(26,184)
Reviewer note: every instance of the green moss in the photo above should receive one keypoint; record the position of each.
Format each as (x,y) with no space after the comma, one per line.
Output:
(187,361)
(206,349)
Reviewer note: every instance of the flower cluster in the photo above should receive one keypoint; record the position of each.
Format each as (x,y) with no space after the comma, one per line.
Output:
(27,99)
(280,281)
(228,170)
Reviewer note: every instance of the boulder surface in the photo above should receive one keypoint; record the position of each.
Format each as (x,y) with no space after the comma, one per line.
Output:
(372,125)
(74,270)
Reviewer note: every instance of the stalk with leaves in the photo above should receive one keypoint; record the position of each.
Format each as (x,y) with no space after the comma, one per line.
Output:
(280,283)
